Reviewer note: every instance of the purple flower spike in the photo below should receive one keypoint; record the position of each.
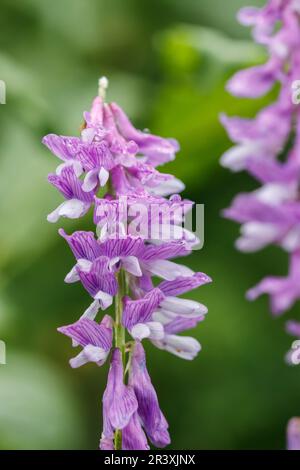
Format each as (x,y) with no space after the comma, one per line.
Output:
(267,147)
(139,232)
(149,411)
(119,401)
(293,434)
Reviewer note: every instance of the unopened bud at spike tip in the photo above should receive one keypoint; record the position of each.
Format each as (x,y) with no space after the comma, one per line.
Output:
(103,85)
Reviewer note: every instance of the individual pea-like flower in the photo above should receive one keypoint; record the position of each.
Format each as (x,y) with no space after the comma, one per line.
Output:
(148,411)
(77,201)
(139,233)
(268,147)
(119,401)
(160,314)
(94,338)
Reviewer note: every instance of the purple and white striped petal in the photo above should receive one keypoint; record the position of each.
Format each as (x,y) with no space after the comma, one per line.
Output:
(71,209)
(70,186)
(181,285)
(78,202)
(133,436)
(140,311)
(157,149)
(179,324)
(65,148)
(95,156)
(166,250)
(87,332)
(83,244)
(95,339)
(131,265)
(90,181)
(167,188)
(119,401)
(122,247)
(152,330)
(89,353)
(149,411)
(103,176)
(183,307)
(184,347)
(167,270)
(99,279)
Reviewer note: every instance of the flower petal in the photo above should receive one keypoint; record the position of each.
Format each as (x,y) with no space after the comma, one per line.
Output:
(184,347)
(183,307)
(140,311)
(167,269)
(86,332)
(103,176)
(149,411)
(83,244)
(133,436)
(119,400)
(181,285)
(132,266)
(90,353)
(90,181)
(152,330)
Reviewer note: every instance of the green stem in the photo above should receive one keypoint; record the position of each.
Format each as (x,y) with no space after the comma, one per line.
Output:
(119,329)
(120,335)
(118,439)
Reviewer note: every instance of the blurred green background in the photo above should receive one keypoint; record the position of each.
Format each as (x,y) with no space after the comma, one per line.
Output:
(167,61)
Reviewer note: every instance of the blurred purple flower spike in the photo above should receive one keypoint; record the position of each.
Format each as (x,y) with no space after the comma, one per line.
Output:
(268,147)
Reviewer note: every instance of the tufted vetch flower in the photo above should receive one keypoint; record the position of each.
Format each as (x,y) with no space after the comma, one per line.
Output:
(129,261)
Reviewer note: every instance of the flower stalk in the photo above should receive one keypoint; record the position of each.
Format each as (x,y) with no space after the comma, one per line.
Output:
(119,328)
(120,338)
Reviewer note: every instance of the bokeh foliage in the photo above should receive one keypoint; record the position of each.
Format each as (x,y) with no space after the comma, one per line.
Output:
(168,62)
